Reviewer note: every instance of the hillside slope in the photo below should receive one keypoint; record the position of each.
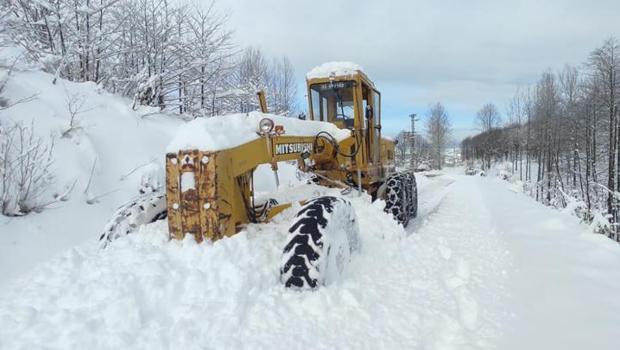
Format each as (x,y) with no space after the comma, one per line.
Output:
(118,145)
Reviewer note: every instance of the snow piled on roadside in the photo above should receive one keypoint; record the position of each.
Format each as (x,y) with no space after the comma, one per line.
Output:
(228,131)
(334,68)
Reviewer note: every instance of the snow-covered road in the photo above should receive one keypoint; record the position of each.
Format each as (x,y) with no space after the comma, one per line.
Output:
(482,267)
(565,282)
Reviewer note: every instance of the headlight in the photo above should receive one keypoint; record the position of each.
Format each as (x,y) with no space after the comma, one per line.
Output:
(265,125)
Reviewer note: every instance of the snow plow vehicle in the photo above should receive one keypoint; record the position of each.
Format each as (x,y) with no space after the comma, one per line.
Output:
(210,195)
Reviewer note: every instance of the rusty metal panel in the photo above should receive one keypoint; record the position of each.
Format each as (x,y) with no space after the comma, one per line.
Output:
(190,208)
(173,199)
(207,187)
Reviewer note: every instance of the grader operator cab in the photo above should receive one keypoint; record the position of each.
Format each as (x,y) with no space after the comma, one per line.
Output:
(210,193)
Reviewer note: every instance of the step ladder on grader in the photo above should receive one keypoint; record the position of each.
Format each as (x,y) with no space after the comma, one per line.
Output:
(210,195)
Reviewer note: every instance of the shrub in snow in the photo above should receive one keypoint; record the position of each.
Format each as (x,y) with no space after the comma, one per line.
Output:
(600,223)
(575,206)
(75,107)
(149,91)
(504,175)
(25,169)
(151,180)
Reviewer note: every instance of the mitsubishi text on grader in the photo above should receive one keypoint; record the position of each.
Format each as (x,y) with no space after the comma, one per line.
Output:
(210,193)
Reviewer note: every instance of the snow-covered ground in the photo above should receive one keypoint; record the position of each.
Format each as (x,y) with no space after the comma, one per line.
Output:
(482,267)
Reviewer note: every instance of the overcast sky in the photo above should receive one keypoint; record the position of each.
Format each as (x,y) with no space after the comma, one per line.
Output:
(461,53)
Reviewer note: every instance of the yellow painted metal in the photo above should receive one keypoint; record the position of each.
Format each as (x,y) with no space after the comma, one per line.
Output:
(209,193)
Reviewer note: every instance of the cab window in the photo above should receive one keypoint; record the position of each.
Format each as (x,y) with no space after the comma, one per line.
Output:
(334,102)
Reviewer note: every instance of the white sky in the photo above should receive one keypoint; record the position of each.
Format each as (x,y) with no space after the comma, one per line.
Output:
(462,53)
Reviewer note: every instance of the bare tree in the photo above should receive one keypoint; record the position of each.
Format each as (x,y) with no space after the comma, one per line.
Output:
(438,131)
(488,117)
(75,107)
(281,86)
(402,147)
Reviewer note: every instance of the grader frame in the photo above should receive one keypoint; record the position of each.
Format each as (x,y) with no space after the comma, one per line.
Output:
(210,194)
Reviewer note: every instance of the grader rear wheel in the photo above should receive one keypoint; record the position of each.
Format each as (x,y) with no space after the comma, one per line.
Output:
(401,197)
(396,198)
(412,190)
(145,209)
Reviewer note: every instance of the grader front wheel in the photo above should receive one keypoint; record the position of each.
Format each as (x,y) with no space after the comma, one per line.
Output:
(320,242)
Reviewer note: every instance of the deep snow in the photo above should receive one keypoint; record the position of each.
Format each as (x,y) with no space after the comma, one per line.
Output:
(469,273)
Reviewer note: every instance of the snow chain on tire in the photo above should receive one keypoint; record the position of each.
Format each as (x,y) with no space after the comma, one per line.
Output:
(128,218)
(401,197)
(396,198)
(320,242)
(412,191)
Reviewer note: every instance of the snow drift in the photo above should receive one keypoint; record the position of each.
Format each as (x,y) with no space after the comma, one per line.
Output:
(110,154)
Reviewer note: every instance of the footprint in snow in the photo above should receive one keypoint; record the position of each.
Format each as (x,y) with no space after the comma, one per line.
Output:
(461,276)
(468,308)
(463,270)
(445,252)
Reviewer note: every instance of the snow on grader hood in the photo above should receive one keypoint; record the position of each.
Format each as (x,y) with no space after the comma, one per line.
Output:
(210,165)
(229,131)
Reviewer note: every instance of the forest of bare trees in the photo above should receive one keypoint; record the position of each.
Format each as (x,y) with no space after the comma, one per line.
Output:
(181,58)
(412,152)
(562,138)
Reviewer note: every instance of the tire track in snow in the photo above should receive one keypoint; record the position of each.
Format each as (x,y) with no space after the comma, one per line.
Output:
(472,267)
(431,192)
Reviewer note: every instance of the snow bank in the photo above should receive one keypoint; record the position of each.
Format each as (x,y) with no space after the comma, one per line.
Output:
(335,68)
(111,153)
(228,131)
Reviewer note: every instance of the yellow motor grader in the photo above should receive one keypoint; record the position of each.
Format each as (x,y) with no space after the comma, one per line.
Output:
(210,194)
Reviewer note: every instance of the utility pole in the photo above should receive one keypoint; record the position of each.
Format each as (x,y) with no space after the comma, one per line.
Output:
(412,141)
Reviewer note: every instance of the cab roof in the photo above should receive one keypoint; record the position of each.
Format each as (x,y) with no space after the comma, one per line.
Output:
(334,69)
(337,70)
